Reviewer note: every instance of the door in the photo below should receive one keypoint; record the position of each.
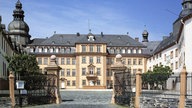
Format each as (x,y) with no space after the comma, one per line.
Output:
(63,85)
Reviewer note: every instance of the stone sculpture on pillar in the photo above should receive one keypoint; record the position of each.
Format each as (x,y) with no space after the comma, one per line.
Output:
(54,69)
(117,67)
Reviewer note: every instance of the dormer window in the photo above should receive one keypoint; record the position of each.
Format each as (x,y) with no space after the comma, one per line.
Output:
(119,37)
(68,42)
(91,38)
(53,42)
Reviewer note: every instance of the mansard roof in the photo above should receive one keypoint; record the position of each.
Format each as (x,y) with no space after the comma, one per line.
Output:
(121,40)
(37,41)
(174,37)
(72,39)
(151,47)
(166,43)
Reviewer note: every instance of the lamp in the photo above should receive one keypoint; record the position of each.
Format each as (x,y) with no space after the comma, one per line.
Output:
(20,86)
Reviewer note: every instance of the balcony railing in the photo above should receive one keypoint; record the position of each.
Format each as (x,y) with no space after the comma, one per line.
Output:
(91,76)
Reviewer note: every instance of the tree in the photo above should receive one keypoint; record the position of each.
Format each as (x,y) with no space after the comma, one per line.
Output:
(27,68)
(23,64)
(158,76)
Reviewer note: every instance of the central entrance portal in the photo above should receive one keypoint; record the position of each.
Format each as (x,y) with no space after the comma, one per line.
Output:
(91,83)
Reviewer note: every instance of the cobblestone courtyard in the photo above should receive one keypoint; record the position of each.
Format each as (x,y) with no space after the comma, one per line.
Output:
(84,99)
(76,99)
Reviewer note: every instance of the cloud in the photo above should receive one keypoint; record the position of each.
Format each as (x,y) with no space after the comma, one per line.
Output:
(45,17)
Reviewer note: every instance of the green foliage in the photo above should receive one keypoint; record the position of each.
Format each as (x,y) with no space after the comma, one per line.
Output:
(23,64)
(158,76)
(27,67)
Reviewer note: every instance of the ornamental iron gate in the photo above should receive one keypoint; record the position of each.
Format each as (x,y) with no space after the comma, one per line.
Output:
(40,88)
(123,84)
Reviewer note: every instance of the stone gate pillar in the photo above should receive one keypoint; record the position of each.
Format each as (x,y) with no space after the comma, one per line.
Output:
(138,89)
(53,68)
(117,67)
(183,88)
(11,89)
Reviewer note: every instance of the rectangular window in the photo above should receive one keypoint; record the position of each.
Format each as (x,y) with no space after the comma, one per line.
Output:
(98,82)
(124,61)
(90,59)
(129,62)
(74,72)
(107,72)
(108,61)
(57,61)
(160,64)
(45,61)
(56,50)
(176,65)
(108,83)
(73,83)
(99,71)
(45,49)
(68,61)
(171,55)
(62,72)
(91,71)
(62,61)
(176,53)
(160,55)
(157,56)
(112,60)
(98,59)
(83,71)
(83,59)
(62,50)
(51,50)
(134,61)
(31,49)
(68,50)
(73,61)
(140,61)
(91,48)
(171,66)
(83,48)
(40,49)
(68,72)
(83,82)
(98,48)
(68,83)
(39,60)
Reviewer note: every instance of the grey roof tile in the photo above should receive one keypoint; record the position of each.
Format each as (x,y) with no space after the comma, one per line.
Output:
(72,39)
(166,43)
(121,40)
(37,41)
(151,46)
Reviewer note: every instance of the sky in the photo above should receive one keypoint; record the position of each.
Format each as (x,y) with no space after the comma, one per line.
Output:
(45,17)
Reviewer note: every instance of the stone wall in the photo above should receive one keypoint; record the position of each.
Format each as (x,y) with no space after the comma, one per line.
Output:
(158,102)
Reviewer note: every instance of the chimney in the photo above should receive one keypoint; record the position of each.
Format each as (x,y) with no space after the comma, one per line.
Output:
(78,34)
(165,37)
(137,39)
(102,34)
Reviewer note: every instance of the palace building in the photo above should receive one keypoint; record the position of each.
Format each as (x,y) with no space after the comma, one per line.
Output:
(86,59)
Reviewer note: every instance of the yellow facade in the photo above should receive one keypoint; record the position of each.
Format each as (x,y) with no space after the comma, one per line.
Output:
(89,67)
